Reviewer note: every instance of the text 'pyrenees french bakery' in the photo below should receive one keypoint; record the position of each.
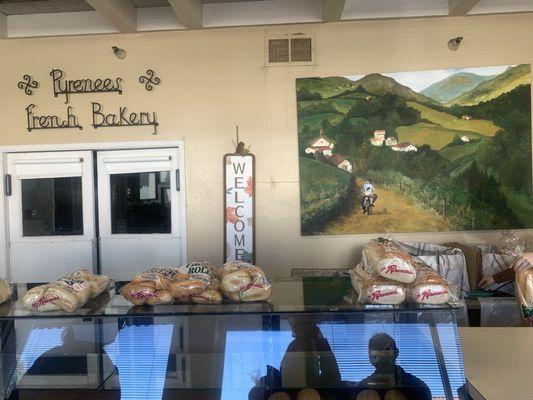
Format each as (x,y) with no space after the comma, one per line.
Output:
(122,117)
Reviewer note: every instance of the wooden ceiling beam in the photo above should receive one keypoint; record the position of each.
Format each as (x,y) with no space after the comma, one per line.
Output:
(459,8)
(119,13)
(189,12)
(332,10)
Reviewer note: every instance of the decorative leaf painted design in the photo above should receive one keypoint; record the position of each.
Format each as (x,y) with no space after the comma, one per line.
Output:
(230,215)
(250,187)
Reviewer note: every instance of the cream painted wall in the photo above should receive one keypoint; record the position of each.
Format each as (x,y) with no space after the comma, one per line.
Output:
(215,79)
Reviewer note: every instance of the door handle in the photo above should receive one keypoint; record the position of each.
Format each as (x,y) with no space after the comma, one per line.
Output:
(7,184)
(178,184)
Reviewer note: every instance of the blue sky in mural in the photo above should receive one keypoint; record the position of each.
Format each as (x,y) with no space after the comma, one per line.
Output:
(419,80)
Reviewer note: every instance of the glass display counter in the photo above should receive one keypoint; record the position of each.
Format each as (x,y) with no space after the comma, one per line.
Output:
(309,342)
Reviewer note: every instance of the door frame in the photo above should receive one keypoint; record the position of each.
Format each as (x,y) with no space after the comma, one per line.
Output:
(97,146)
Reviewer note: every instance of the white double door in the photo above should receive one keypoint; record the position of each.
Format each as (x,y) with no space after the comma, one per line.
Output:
(117,212)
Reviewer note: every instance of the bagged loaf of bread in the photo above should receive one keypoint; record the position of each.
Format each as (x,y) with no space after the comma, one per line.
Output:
(201,286)
(68,293)
(148,288)
(388,260)
(5,291)
(429,287)
(241,281)
(524,294)
(373,289)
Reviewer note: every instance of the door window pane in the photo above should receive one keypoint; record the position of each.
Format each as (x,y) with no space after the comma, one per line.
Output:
(140,202)
(52,207)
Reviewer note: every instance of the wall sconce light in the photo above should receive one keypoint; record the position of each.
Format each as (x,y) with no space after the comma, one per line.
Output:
(119,53)
(453,44)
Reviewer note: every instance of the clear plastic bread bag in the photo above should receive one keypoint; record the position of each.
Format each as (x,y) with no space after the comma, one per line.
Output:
(197,282)
(242,281)
(385,258)
(374,289)
(431,288)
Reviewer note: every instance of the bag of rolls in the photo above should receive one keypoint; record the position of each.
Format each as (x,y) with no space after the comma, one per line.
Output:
(5,291)
(194,282)
(388,260)
(148,288)
(68,293)
(201,284)
(242,281)
(376,289)
(524,294)
(429,287)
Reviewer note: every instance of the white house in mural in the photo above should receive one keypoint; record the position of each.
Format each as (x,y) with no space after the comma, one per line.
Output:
(321,144)
(391,141)
(340,162)
(465,139)
(379,138)
(404,147)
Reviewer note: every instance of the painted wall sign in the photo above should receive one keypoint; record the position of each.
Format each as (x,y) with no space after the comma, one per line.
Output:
(78,86)
(239,207)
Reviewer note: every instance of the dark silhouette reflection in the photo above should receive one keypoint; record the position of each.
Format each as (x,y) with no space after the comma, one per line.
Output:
(308,369)
(389,381)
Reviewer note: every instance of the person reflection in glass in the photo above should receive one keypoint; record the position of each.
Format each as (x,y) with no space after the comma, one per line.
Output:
(307,370)
(389,381)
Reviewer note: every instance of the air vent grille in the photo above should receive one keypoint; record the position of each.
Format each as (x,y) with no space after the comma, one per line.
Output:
(301,50)
(289,49)
(278,50)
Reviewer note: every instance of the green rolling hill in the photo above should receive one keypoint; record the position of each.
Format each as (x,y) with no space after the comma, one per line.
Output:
(491,89)
(454,86)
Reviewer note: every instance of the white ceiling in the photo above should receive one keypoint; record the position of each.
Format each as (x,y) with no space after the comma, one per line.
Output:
(67,17)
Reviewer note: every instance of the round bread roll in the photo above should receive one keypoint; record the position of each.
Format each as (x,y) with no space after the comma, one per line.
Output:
(68,299)
(395,394)
(279,396)
(162,297)
(255,293)
(145,293)
(308,394)
(5,291)
(368,395)
(158,280)
(187,287)
(36,299)
(430,293)
(209,296)
(235,281)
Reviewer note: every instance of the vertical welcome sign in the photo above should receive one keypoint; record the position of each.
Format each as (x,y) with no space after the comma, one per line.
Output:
(239,207)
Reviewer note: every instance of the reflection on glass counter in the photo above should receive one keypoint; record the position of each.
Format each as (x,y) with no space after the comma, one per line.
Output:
(258,351)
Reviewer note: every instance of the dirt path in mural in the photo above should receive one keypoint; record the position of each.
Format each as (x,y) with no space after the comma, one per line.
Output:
(393,212)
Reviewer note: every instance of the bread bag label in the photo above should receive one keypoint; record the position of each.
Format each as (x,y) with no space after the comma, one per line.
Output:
(197,270)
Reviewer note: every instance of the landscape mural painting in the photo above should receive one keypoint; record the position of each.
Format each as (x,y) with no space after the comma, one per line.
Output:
(444,150)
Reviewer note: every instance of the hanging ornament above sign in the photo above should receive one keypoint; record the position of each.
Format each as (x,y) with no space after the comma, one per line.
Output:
(239,205)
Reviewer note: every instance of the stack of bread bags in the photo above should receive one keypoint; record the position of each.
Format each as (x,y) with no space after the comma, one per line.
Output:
(68,293)
(388,275)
